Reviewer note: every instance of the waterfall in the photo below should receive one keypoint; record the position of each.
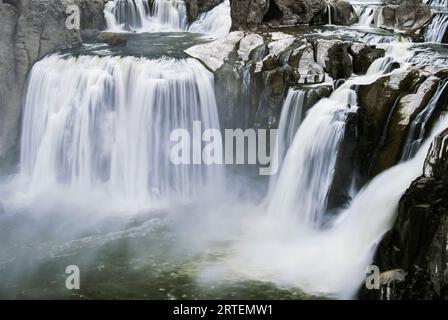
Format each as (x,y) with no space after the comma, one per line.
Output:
(307,173)
(437,28)
(165,16)
(417,130)
(94,123)
(290,120)
(301,190)
(137,15)
(368,16)
(437,3)
(330,22)
(216,23)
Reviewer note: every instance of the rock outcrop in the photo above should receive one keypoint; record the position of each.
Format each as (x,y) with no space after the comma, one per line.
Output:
(417,244)
(250,14)
(407,16)
(386,109)
(30,30)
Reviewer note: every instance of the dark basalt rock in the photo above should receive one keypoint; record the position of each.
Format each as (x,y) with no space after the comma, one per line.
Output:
(417,244)
(407,16)
(363,57)
(343,13)
(113,39)
(380,132)
(250,14)
(334,57)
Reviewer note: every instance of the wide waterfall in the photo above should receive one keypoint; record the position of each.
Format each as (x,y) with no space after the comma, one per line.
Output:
(104,124)
(137,15)
(165,16)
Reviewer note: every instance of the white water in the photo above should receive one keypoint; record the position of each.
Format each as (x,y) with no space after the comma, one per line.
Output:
(216,23)
(301,190)
(330,261)
(307,172)
(103,125)
(290,120)
(368,16)
(165,16)
(437,28)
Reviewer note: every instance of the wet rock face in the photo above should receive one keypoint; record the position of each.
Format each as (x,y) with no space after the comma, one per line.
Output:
(343,13)
(333,56)
(250,14)
(406,16)
(386,109)
(417,244)
(30,30)
(363,57)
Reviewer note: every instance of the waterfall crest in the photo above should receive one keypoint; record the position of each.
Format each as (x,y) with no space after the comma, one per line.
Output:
(165,16)
(94,123)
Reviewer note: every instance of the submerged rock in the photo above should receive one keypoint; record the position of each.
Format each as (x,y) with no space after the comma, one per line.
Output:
(113,39)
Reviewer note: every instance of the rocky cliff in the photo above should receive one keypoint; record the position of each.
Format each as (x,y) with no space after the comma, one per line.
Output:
(413,256)
(30,30)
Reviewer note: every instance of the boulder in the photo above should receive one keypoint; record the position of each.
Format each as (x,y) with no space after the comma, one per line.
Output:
(333,56)
(407,16)
(377,148)
(343,13)
(114,39)
(250,14)
(363,56)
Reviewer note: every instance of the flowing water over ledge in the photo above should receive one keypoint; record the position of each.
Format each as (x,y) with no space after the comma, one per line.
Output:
(136,234)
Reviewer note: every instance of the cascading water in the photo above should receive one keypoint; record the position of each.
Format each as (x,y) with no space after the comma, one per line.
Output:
(165,16)
(437,28)
(369,16)
(216,23)
(307,173)
(290,120)
(104,124)
(137,15)
(301,190)
(417,131)
(437,3)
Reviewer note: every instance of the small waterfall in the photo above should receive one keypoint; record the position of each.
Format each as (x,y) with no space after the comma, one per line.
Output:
(216,23)
(306,176)
(437,3)
(417,131)
(104,124)
(290,120)
(138,16)
(437,28)
(368,16)
(330,22)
